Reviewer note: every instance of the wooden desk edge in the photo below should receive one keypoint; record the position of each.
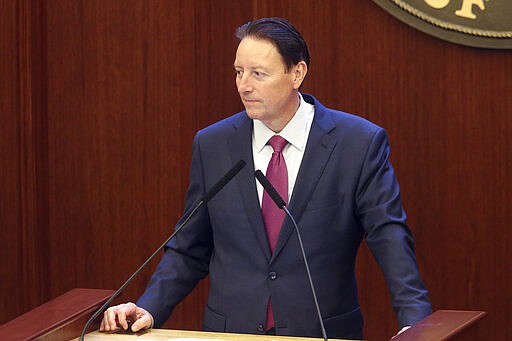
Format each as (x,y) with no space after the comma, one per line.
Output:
(172,334)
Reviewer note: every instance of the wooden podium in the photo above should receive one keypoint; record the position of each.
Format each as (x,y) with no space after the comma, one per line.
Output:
(443,325)
(64,317)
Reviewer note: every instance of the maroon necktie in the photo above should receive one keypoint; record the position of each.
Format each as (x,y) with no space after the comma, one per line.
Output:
(273,216)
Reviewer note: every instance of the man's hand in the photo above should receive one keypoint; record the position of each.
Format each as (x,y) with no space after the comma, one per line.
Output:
(120,316)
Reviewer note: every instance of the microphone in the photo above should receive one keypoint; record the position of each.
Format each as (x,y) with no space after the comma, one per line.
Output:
(270,189)
(203,200)
(223,181)
(278,200)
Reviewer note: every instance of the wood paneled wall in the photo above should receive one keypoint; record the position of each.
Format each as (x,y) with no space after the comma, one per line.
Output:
(99,102)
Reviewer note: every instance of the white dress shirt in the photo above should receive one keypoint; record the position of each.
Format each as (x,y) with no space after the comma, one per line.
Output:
(296,132)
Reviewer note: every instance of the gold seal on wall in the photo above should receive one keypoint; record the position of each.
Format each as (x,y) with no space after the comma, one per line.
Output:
(478,23)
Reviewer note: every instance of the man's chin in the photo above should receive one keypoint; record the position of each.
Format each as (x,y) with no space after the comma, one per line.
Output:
(256,114)
(252,115)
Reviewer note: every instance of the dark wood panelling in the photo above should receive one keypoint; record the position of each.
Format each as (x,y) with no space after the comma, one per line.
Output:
(104,98)
(10,210)
(22,151)
(118,101)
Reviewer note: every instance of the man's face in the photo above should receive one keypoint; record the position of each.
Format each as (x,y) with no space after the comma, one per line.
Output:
(268,92)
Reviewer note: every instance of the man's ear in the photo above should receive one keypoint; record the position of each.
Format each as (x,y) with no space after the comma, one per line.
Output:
(299,72)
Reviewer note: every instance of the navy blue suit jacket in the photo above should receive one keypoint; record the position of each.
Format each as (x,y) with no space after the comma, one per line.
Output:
(346,190)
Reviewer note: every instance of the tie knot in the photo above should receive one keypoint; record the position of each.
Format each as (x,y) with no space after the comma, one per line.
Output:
(278,143)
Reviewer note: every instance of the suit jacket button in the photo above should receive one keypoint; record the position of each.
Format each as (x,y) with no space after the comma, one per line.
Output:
(261,328)
(272,275)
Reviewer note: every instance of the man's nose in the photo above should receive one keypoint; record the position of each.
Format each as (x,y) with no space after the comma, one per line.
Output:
(244,84)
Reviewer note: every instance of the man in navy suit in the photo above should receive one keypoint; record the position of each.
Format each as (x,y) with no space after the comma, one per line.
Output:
(342,189)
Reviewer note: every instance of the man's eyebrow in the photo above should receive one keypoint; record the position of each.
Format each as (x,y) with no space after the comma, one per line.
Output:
(252,68)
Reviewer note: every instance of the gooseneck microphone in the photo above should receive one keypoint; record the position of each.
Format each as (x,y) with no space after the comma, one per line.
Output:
(203,200)
(282,205)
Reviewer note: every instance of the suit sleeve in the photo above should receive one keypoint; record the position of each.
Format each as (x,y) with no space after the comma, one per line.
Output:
(186,258)
(380,211)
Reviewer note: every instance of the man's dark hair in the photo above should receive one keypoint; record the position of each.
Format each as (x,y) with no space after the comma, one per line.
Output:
(282,34)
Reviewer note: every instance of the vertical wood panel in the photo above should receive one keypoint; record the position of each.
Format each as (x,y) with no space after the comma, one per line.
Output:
(27,155)
(117,99)
(23,149)
(10,262)
(100,110)
(33,150)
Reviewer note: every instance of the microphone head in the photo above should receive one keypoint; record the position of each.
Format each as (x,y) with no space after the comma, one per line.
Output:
(270,189)
(223,181)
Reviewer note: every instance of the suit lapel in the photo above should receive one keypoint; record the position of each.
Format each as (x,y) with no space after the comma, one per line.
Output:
(318,151)
(240,147)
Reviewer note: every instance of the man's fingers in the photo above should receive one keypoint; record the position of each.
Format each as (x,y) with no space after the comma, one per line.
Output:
(102,324)
(121,317)
(115,317)
(109,320)
(143,322)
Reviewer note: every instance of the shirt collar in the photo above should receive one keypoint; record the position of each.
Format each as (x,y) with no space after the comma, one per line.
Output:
(295,132)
